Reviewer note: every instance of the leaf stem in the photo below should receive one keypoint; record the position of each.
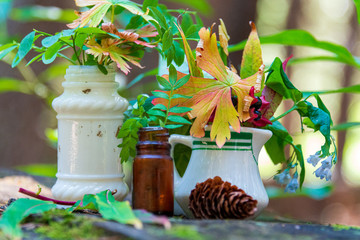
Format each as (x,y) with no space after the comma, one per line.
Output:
(285,113)
(169,104)
(38,196)
(190,39)
(75,52)
(112,13)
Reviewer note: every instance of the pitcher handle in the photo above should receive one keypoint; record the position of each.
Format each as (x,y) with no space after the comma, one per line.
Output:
(173,140)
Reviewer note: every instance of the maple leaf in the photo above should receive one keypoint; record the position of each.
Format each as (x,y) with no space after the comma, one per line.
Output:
(215,94)
(109,48)
(132,35)
(94,15)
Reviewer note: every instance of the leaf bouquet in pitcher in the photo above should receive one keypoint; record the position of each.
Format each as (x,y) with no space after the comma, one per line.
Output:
(230,114)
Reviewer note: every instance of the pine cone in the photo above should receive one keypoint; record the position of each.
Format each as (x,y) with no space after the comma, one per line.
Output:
(215,198)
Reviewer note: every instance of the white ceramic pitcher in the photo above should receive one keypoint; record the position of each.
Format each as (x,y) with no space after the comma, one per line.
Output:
(90,112)
(236,162)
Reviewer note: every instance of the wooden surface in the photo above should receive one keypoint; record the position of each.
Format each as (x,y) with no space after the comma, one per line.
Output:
(192,229)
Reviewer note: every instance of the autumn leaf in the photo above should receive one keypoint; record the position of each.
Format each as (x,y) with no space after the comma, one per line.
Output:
(224,37)
(94,15)
(109,48)
(252,58)
(215,94)
(193,68)
(132,35)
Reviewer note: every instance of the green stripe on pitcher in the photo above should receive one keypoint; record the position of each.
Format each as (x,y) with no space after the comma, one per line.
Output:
(234,135)
(221,149)
(227,144)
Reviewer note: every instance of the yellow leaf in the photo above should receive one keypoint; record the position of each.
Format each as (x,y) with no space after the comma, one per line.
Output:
(224,37)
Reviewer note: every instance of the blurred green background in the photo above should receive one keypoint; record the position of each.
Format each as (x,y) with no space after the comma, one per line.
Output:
(27,120)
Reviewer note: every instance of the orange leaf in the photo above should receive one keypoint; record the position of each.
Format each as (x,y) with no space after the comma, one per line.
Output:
(216,93)
(109,48)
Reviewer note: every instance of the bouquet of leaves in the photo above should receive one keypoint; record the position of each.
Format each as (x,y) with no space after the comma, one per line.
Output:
(93,37)
(249,97)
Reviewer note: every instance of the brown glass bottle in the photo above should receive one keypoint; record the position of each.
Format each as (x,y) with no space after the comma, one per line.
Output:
(153,172)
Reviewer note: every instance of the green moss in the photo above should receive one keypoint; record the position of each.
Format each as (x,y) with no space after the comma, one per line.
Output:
(339,227)
(61,225)
(178,232)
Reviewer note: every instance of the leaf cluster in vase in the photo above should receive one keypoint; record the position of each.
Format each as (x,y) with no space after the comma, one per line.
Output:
(93,37)
(143,114)
(249,97)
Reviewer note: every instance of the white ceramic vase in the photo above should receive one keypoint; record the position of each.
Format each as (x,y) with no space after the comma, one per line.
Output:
(90,112)
(236,162)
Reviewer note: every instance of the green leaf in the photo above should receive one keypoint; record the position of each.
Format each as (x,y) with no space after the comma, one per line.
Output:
(300,159)
(51,53)
(156,113)
(180,96)
(167,39)
(111,209)
(164,83)
(149,3)
(38,13)
(186,22)
(297,37)
(322,106)
(45,170)
(35,58)
(172,75)
(135,22)
(19,210)
(178,119)
(159,17)
(202,6)
(180,109)
(321,122)
(345,126)
(351,89)
(279,82)
(170,54)
(179,54)
(182,81)
(172,126)
(160,94)
(80,40)
(102,69)
(132,7)
(13,85)
(49,41)
(24,48)
(276,145)
(160,107)
(69,32)
(357,5)
(6,49)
